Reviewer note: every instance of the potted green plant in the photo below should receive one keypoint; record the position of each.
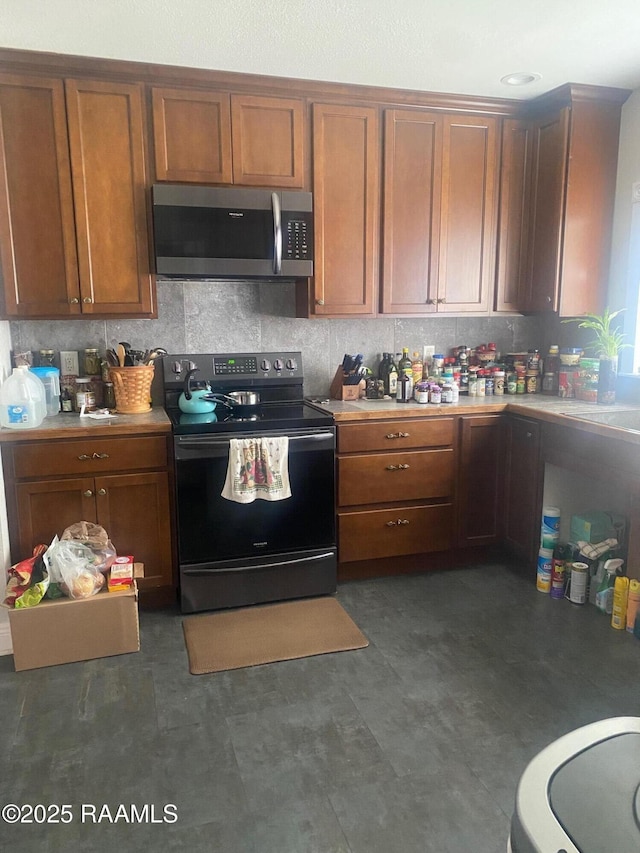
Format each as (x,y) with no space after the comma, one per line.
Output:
(607,342)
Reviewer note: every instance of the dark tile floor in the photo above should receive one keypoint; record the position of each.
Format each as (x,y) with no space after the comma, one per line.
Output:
(412,744)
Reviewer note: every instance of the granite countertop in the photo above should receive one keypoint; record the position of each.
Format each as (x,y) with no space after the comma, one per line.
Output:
(73,426)
(551,409)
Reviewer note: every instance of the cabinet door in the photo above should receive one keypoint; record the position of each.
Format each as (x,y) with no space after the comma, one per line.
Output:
(468,214)
(515,187)
(134,509)
(591,186)
(480,477)
(411,212)
(44,509)
(37,229)
(268,141)
(550,146)
(346,202)
(108,170)
(192,135)
(523,478)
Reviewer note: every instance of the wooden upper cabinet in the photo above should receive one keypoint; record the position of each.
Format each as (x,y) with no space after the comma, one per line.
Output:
(106,140)
(439,219)
(550,148)
(513,223)
(346,203)
(268,141)
(192,136)
(591,186)
(73,222)
(222,138)
(466,265)
(575,155)
(411,211)
(37,228)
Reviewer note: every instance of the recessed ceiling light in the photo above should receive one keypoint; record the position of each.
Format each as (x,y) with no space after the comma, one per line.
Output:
(520,78)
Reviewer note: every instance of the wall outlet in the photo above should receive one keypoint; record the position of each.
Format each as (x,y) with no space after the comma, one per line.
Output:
(428,353)
(635,192)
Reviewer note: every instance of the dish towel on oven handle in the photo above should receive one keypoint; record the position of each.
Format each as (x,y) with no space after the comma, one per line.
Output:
(258,468)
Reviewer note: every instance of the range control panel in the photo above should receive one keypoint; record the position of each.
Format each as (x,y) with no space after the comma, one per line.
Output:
(238,366)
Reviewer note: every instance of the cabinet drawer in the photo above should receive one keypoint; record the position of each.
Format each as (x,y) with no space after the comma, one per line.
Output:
(89,456)
(395,435)
(385,477)
(394,532)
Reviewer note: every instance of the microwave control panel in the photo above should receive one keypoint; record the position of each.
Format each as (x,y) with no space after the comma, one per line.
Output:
(297,237)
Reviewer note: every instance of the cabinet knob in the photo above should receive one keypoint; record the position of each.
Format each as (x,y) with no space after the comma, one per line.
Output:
(548,299)
(440,301)
(398,523)
(319,301)
(87,299)
(401,467)
(88,493)
(74,300)
(83,457)
(99,455)
(431,301)
(529,435)
(397,435)
(102,492)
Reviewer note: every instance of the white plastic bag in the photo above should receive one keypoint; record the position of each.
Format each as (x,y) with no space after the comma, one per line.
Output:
(73,566)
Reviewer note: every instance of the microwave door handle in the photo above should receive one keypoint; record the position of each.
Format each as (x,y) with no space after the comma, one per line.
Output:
(277,234)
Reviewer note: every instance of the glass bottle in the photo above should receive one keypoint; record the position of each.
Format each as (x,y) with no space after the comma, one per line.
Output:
(404,365)
(417,368)
(391,379)
(46,358)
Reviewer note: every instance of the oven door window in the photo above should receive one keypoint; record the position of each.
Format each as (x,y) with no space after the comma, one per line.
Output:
(213,528)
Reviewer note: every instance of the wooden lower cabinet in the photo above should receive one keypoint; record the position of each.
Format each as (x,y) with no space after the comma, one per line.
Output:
(480,479)
(522,486)
(133,507)
(394,532)
(396,482)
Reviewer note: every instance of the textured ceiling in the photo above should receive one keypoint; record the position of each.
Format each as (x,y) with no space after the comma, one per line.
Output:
(462,46)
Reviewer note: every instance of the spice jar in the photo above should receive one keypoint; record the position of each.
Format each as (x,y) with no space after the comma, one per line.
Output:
(498,382)
(92,362)
(421,391)
(531,381)
(85,394)
(108,395)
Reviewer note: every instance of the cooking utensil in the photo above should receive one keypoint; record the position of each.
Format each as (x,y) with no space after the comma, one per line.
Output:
(122,355)
(112,358)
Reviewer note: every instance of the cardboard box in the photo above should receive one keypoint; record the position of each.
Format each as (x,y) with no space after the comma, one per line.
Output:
(595,527)
(64,630)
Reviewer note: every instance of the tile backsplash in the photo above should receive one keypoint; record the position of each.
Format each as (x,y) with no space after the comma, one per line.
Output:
(224,316)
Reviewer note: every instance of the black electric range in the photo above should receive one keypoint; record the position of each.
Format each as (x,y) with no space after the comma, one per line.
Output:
(276,376)
(234,554)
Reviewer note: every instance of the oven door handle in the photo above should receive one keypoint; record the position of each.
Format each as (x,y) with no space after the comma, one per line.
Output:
(277,234)
(185,570)
(217,444)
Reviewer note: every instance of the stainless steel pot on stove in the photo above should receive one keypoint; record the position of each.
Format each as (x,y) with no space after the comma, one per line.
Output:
(236,398)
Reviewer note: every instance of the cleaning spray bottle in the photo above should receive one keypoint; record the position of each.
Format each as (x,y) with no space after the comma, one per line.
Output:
(620,597)
(604,594)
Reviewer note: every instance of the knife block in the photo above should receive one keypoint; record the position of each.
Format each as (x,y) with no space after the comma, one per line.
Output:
(339,391)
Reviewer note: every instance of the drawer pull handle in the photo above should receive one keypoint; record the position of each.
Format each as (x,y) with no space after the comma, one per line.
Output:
(100,456)
(102,492)
(399,522)
(83,457)
(88,493)
(401,467)
(397,435)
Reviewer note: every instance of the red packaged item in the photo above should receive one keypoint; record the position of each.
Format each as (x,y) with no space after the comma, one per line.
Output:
(20,576)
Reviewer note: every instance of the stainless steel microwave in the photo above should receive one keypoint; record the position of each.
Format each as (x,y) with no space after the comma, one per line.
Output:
(229,232)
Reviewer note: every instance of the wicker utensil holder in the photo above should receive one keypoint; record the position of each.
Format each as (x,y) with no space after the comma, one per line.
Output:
(132,386)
